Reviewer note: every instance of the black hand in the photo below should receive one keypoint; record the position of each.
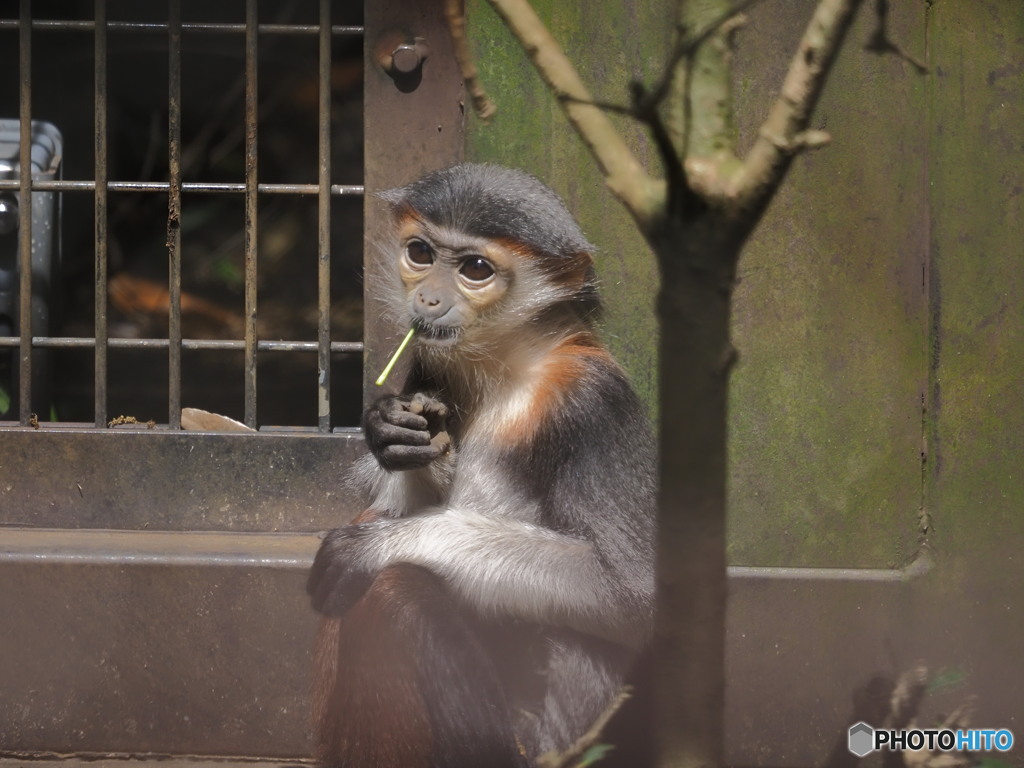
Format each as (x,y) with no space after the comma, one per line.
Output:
(406,432)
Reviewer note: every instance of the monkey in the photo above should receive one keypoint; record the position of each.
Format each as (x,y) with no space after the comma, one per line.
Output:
(487,606)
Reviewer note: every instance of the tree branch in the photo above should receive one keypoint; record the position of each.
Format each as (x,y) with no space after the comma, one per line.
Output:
(686,44)
(785,133)
(482,104)
(710,134)
(642,195)
(578,748)
(881,43)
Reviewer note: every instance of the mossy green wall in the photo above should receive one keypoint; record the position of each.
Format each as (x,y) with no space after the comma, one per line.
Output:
(878,314)
(879,397)
(624,40)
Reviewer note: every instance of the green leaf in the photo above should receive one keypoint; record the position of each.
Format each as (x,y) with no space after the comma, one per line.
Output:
(991,762)
(594,754)
(947,678)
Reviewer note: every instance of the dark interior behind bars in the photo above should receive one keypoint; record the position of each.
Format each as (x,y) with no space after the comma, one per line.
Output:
(201,253)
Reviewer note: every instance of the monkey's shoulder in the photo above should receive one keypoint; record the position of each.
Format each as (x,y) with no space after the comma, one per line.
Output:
(594,448)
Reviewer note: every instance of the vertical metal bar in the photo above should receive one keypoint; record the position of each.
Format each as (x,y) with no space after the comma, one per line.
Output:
(251,181)
(100,299)
(25,208)
(324,220)
(174,212)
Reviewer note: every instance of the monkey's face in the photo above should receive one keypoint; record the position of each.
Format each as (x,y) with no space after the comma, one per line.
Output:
(455,284)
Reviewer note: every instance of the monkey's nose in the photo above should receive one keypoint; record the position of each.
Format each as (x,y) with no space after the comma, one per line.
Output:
(430,305)
(430,301)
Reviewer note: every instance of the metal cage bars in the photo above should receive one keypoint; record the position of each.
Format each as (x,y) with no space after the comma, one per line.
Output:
(174,187)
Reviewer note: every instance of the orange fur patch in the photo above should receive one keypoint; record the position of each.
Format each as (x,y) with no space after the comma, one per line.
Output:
(570,271)
(559,372)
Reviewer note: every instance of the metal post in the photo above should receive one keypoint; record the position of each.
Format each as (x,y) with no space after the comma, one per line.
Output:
(174,213)
(251,190)
(25,209)
(324,219)
(100,287)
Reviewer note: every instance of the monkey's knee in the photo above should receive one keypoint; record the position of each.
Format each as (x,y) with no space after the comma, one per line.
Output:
(412,679)
(369,706)
(405,591)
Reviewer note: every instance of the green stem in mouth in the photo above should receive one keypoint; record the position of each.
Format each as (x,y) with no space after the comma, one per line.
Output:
(394,358)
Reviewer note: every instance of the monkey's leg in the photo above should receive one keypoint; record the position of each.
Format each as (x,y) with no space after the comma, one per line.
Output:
(583,675)
(411,684)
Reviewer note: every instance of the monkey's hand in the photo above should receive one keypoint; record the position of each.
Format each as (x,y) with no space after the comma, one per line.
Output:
(406,432)
(338,579)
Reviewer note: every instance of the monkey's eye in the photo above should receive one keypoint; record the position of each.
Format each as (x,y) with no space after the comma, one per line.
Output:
(476,269)
(419,253)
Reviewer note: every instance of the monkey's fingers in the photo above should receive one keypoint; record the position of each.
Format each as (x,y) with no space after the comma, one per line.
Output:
(405,457)
(405,419)
(387,435)
(422,403)
(395,410)
(382,432)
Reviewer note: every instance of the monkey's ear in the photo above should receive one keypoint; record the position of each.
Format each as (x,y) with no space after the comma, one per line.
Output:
(394,197)
(398,202)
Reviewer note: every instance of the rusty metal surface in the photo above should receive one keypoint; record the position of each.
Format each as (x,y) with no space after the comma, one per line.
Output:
(413,124)
(164,643)
(198,643)
(163,480)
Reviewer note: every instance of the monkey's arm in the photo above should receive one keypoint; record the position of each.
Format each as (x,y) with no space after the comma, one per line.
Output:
(497,566)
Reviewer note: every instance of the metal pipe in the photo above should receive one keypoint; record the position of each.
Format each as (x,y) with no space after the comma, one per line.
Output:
(251,191)
(213,187)
(86,342)
(174,212)
(324,221)
(25,211)
(143,26)
(100,287)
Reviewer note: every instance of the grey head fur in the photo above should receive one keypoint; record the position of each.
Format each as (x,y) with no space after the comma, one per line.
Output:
(495,202)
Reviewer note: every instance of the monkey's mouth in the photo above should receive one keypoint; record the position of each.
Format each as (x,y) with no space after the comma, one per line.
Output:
(437,335)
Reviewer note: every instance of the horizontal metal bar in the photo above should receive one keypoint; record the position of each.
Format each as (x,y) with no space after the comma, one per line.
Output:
(63,185)
(281,550)
(76,342)
(921,565)
(177,548)
(145,26)
(270,430)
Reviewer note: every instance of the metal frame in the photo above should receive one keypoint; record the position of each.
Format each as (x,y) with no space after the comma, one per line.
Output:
(146,545)
(174,187)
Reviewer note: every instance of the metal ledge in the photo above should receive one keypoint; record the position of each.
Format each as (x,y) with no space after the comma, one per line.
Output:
(291,551)
(295,551)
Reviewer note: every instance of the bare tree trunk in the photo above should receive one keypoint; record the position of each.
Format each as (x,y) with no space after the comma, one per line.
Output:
(689,640)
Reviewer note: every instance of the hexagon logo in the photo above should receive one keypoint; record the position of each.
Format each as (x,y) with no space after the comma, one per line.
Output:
(861,739)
